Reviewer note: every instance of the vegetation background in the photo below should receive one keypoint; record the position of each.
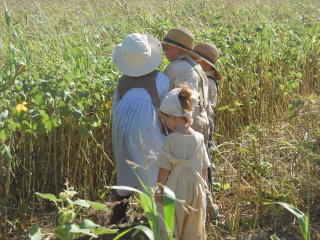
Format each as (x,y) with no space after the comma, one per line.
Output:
(55,115)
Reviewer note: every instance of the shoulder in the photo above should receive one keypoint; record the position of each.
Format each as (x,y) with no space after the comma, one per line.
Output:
(163,82)
(162,77)
(199,136)
(172,137)
(179,64)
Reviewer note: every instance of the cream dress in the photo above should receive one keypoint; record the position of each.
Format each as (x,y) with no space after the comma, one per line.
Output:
(186,157)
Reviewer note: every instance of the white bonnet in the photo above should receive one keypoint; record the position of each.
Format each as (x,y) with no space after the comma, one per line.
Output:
(171,104)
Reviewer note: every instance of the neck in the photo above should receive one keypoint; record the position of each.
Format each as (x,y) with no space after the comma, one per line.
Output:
(185,129)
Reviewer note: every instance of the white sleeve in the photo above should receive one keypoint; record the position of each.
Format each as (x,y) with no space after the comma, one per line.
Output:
(163,85)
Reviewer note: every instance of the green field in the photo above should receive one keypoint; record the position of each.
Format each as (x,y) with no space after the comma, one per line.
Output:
(55,122)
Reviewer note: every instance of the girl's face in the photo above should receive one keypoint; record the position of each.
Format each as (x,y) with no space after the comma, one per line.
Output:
(172,53)
(169,121)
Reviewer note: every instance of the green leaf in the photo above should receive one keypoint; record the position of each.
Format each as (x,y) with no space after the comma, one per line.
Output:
(150,209)
(101,230)
(84,132)
(274,237)
(42,128)
(226,186)
(8,17)
(34,113)
(98,206)
(88,224)
(293,115)
(73,228)
(83,95)
(56,122)
(147,231)
(49,125)
(238,103)
(302,218)
(3,135)
(66,96)
(61,232)
(12,125)
(97,95)
(131,189)
(25,125)
(169,208)
(223,108)
(48,196)
(5,150)
(122,234)
(3,116)
(78,115)
(40,99)
(82,203)
(35,232)
(68,77)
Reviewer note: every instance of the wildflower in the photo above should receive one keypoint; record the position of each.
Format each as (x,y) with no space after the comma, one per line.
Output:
(313,39)
(108,105)
(22,107)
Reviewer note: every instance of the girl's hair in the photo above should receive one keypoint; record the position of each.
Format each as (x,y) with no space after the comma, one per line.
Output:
(185,98)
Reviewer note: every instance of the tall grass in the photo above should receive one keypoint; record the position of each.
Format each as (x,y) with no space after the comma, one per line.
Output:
(267,119)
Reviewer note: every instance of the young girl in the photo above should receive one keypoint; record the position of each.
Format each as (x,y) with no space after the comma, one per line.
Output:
(183,163)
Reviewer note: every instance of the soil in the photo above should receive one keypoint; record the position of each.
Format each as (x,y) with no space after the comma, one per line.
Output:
(218,229)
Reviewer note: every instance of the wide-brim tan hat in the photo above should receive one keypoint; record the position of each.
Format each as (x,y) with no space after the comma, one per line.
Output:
(182,38)
(209,53)
(138,55)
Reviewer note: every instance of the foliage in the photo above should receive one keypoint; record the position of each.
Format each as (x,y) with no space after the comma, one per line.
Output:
(154,215)
(67,228)
(303,219)
(150,209)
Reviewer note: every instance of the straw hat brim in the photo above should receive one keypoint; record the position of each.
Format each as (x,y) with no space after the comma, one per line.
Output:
(131,70)
(217,74)
(192,54)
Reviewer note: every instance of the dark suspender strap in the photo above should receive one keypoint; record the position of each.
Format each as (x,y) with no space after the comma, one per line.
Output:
(215,81)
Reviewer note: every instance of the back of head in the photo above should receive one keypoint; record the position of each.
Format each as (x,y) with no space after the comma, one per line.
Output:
(185,98)
(138,54)
(179,102)
(210,54)
(182,38)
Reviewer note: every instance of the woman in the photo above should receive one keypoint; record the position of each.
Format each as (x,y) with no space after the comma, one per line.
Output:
(137,133)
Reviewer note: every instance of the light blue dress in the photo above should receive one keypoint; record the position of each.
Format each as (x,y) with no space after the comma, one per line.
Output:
(136,134)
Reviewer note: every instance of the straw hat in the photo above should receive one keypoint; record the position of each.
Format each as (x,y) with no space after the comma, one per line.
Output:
(182,38)
(138,55)
(209,53)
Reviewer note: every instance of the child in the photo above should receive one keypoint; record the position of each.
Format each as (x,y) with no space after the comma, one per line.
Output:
(209,54)
(183,69)
(136,123)
(183,164)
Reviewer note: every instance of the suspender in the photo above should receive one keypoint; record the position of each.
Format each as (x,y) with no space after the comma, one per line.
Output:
(215,81)
(201,85)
